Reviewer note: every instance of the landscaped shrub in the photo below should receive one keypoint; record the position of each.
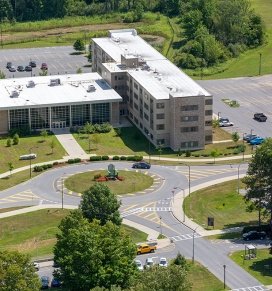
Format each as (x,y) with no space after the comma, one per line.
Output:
(38,169)
(188,154)
(95,158)
(263,227)
(102,128)
(77,160)
(55,163)
(105,158)
(16,139)
(73,161)
(116,158)
(134,158)
(8,142)
(97,176)
(123,158)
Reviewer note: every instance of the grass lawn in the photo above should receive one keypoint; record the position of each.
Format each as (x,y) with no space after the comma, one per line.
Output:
(133,182)
(34,232)
(39,147)
(260,267)
(221,134)
(222,202)
(202,279)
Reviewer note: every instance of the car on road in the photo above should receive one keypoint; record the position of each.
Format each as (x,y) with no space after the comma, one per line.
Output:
(149,263)
(36,266)
(224,122)
(141,165)
(45,282)
(249,137)
(145,248)
(33,64)
(163,262)
(12,69)
(9,64)
(44,66)
(20,69)
(139,265)
(253,234)
(55,283)
(260,117)
(256,141)
(28,68)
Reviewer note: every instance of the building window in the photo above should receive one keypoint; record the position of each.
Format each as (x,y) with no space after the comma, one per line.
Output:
(135,86)
(145,130)
(100,113)
(160,127)
(208,123)
(18,118)
(146,106)
(189,144)
(160,116)
(189,118)
(189,108)
(60,114)
(136,106)
(208,102)
(80,114)
(131,115)
(136,120)
(115,78)
(208,112)
(146,116)
(135,96)
(141,91)
(208,138)
(189,129)
(160,105)
(160,141)
(39,118)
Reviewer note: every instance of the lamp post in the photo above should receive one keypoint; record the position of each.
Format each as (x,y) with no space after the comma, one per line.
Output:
(260,64)
(149,146)
(160,225)
(183,196)
(238,177)
(193,257)
(189,177)
(244,146)
(224,267)
(218,115)
(30,162)
(62,191)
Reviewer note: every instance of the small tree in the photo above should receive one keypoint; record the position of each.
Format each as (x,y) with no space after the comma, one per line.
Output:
(88,129)
(79,71)
(96,138)
(215,153)
(8,142)
(159,149)
(16,139)
(44,134)
(11,167)
(215,123)
(52,144)
(235,137)
(43,73)
(79,45)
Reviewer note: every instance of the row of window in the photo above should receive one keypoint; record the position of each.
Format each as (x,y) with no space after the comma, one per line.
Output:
(189,129)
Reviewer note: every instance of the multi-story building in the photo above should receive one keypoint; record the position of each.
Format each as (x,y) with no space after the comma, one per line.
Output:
(57,102)
(169,107)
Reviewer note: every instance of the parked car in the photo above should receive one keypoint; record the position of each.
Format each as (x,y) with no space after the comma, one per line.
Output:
(149,263)
(224,122)
(9,64)
(256,141)
(44,66)
(20,68)
(249,137)
(36,266)
(141,165)
(145,248)
(163,262)
(254,235)
(260,117)
(12,69)
(28,68)
(32,64)
(45,282)
(55,283)
(139,265)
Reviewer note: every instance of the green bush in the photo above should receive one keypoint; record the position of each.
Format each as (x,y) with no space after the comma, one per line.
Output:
(16,139)
(123,158)
(77,160)
(128,18)
(38,169)
(55,163)
(8,142)
(105,158)
(73,161)
(97,176)
(95,158)
(116,158)
(188,154)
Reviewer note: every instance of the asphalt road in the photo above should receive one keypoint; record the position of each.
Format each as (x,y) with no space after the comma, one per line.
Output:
(59,61)
(45,190)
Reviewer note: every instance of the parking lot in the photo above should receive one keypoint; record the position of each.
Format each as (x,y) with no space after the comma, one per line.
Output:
(59,61)
(253,94)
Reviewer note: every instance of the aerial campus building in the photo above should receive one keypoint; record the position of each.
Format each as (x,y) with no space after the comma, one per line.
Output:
(164,103)
(129,79)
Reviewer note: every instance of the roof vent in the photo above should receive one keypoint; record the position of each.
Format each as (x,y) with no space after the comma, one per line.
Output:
(54,82)
(14,94)
(30,84)
(91,88)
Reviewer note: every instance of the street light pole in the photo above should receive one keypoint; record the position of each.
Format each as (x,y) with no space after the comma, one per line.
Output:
(224,266)
(189,177)
(193,257)
(244,146)
(260,64)
(218,115)
(149,146)
(62,192)
(160,225)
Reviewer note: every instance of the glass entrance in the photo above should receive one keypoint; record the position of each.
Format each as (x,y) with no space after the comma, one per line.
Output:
(58,124)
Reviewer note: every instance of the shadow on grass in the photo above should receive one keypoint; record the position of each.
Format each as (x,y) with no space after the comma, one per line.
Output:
(264,267)
(76,53)
(241,224)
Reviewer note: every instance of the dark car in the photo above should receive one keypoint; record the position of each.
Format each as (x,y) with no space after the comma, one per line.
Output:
(55,282)
(20,68)
(141,165)
(260,117)
(45,282)
(12,69)
(32,64)
(9,64)
(254,235)
(28,68)
(249,137)
(44,66)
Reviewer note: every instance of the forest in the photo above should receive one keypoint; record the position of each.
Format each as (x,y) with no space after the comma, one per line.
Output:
(213,30)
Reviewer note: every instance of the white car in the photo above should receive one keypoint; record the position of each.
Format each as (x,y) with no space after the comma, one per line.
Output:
(139,265)
(149,263)
(224,122)
(36,266)
(163,262)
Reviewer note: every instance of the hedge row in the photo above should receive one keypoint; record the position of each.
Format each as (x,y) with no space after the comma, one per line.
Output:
(42,167)
(73,161)
(117,158)
(264,227)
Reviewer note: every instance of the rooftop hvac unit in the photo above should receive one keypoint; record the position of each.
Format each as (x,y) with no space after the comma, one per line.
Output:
(30,84)
(91,88)
(54,82)
(14,94)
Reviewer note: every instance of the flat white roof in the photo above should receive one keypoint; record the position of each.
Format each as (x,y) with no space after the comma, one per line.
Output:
(159,76)
(72,89)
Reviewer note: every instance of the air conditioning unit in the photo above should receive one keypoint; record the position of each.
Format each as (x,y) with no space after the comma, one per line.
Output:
(54,82)
(30,84)
(14,94)
(91,88)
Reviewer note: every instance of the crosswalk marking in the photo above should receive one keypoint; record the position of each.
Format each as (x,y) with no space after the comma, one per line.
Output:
(253,288)
(182,237)
(26,195)
(135,211)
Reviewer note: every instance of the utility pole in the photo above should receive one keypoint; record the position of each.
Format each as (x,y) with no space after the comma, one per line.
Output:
(260,64)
